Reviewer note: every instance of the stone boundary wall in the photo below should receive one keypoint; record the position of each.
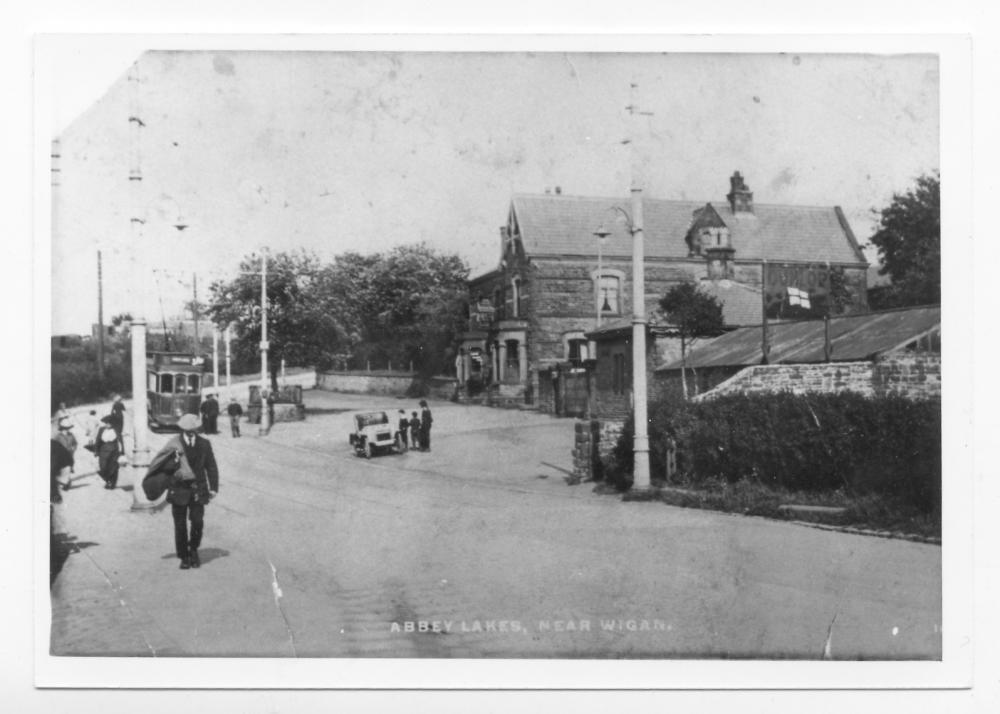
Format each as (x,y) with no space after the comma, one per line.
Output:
(392,383)
(593,441)
(387,383)
(915,376)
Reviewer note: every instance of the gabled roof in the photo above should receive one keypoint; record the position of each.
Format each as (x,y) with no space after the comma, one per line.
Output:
(553,225)
(853,338)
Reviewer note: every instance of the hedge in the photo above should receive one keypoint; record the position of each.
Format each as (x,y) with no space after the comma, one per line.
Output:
(814,442)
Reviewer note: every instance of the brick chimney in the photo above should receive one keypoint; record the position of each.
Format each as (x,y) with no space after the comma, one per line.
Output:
(740,196)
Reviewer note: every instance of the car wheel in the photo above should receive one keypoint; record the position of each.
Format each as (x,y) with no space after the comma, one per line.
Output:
(368,449)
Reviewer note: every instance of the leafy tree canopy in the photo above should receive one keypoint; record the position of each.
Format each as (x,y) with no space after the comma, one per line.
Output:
(695,313)
(909,244)
(401,307)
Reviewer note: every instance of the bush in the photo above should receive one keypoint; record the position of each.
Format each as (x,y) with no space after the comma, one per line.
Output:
(809,443)
(78,383)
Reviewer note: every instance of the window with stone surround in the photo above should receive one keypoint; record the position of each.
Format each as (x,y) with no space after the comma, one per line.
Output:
(608,291)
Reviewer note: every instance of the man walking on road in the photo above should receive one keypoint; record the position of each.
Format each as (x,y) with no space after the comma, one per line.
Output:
(210,415)
(193,484)
(235,412)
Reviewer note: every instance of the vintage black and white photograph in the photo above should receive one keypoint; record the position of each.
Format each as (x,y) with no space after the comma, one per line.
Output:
(497,355)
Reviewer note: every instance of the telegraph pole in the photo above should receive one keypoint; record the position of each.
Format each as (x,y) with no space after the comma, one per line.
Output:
(100,320)
(194,311)
(640,479)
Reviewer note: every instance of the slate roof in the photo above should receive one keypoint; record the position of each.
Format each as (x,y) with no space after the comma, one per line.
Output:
(853,337)
(741,304)
(553,224)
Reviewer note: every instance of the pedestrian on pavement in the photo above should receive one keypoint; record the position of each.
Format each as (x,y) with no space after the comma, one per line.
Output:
(62,412)
(404,428)
(59,459)
(270,409)
(65,437)
(118,420)
(415,431)
(210,415)
(108,451)
(235,412)
(193,484)
(90,426)
(425,426)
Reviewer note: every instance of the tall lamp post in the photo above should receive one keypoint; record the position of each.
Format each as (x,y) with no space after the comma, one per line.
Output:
(640,479)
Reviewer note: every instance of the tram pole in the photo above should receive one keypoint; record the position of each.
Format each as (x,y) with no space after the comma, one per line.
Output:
(265,418)
(137,330)
(229,374)
(215,359)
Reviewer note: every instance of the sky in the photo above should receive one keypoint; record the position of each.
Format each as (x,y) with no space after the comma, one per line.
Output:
(362,151)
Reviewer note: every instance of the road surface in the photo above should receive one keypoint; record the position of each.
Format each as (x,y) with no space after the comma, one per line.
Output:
(478,549)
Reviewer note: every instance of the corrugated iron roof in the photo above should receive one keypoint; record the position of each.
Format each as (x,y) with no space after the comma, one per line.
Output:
(565,225)
(853,337)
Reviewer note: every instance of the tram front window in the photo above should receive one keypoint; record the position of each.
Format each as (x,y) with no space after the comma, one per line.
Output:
(166,383)
(192,384)
(180,382)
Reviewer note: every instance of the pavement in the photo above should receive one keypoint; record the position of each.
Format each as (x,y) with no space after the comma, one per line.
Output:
(477,549)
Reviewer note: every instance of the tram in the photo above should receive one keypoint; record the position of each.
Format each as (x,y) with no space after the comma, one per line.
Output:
(174,382)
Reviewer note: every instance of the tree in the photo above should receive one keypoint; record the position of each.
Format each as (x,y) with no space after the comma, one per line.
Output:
(909,244)
(122,318)
(695,314)
(300,327)
(401,307)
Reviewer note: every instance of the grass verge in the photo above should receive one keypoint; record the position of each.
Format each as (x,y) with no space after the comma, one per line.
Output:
(868,512)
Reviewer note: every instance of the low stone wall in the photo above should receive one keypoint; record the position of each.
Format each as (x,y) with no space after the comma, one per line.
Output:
(916,376)
(593,441)
(387,383)
(391,383)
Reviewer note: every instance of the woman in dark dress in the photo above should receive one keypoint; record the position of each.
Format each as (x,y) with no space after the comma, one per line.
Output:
(108,444)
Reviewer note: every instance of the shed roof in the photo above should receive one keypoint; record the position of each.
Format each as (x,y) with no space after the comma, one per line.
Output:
(853,338)
(564,225)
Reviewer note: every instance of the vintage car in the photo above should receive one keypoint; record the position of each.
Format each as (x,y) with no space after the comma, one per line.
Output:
(373,433)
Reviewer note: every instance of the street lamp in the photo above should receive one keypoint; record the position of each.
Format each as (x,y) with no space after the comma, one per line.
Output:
(640,445)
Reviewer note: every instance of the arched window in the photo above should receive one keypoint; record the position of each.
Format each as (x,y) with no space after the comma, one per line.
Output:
(608,285)
(515,298)
(609,289)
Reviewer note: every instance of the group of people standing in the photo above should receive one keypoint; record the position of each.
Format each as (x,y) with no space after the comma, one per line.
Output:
(415,432)
(210,411)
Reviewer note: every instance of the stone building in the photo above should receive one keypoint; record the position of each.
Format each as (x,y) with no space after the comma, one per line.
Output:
(565,269)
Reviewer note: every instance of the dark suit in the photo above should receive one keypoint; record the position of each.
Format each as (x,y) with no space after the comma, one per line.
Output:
(425,429)
(189,489)
(210,414)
